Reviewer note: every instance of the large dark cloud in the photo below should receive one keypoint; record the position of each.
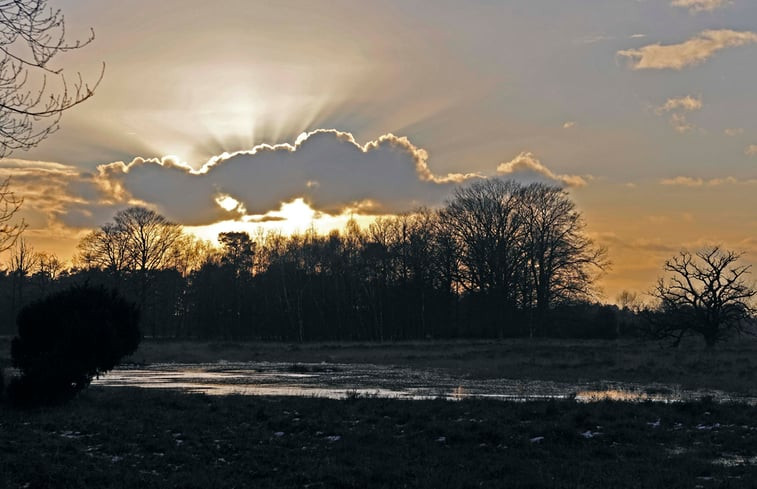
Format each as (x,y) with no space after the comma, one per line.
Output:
(329,169)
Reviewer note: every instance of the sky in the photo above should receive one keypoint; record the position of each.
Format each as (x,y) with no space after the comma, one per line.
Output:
(239,114)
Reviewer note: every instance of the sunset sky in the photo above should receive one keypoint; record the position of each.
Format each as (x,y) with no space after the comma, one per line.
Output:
(220,115)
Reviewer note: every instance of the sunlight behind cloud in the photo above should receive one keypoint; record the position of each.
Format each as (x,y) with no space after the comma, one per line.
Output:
(294,217)
(229,203)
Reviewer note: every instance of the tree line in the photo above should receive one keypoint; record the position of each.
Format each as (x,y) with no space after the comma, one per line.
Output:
(499,259)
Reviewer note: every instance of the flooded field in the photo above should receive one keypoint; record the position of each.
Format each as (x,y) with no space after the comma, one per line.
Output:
(340,381)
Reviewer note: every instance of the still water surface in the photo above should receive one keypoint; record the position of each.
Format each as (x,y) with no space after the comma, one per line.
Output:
(339,381)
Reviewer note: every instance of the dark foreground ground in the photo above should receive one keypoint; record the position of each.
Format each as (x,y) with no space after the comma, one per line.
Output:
(124,438)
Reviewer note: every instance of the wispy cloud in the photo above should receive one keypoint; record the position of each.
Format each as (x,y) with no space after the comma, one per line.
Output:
(751,150)
(568,124)
(688,53)
(701,182)
(527,162)
(681,103)
(695,6)
(594,39)
(733,131)
(680,123)
(677,107)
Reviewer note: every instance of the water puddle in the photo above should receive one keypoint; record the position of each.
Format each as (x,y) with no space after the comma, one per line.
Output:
(340,381)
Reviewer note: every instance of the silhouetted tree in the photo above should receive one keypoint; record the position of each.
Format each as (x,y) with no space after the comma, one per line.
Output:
(149,237)
(22,262)
(705,294)
(67,339)
(106,248)
(238,251)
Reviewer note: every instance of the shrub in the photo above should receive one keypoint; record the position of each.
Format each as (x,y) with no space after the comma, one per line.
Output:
(68,338)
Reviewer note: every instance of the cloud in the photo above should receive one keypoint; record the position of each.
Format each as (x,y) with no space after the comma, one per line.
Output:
(695,6)
(680,123)
(527,162)
(700,182)
(568,124)
(689,53)
(593,39)
(327,168)
(751,150)
(677,106)
(687,103)
(733,131)
(683,181)
(53,192)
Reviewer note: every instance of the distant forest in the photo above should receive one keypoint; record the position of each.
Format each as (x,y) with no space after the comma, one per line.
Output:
(500,259)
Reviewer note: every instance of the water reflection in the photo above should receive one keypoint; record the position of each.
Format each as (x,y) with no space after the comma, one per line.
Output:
(340,381)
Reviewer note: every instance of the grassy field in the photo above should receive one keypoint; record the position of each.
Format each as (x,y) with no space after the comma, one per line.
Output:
(122,438)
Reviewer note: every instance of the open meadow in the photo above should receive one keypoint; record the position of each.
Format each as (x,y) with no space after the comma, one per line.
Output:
(121,437)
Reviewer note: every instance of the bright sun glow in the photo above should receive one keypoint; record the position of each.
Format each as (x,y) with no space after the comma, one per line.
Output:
(296,213)
(291,218)
(227,202)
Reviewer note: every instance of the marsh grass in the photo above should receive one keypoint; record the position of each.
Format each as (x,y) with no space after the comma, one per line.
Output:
(133,438)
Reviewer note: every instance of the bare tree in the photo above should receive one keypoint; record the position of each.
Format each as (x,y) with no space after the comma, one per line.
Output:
(705,294)
(107,249)
(628,300)
(483,221)
(561,259)
(9,205)
(149,237)
(22,261)
(189,253)
(33,94)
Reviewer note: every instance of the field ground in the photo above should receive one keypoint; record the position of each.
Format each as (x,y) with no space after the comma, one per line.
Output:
(142,438)
(124,438)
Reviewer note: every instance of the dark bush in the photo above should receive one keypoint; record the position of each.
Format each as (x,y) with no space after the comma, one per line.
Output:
(67,339)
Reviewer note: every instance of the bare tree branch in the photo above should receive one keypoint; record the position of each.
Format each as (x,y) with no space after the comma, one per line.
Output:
(31,36)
